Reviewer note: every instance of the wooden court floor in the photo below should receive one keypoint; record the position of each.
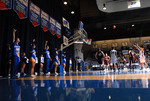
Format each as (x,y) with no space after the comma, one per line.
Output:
(96,75)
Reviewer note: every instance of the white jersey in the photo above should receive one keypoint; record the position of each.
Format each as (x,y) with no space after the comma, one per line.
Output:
(113,56)
(142,56)
(79,60)
(130,51)
(42,59)
(70,62)
(113,53)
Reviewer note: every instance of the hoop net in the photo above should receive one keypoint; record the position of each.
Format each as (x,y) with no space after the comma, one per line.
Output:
(87,41)
(80,36)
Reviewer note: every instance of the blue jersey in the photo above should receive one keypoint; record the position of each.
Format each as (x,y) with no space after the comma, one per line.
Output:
(86,63)
(10,55)
(24,59)
(47,54)
(56,58)
(33,54)
(64,60)
(16,49)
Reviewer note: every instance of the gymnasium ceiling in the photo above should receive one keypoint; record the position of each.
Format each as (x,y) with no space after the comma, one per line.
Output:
(95,20)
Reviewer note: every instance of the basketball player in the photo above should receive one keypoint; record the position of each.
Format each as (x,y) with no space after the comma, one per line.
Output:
(56,63)
(41,64)
(100,56)
(79,60)
(33,59)
(141,55)
(47,59)
(70,64)
(23,63)
(119,60)
(64,64)
(124,62)
(15,55)
(106,61)
(9,59)
(132,55)
(113,55)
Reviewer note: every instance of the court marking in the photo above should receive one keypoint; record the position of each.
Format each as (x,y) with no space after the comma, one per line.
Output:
(93,77)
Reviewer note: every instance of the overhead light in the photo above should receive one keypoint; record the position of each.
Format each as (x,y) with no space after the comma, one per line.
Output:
(72,12)
(105,27)
(114,26)
(132,25)
(65,3)
(104,6)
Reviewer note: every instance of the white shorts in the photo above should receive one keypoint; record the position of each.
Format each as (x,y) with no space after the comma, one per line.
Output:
(114,60)
(142,60)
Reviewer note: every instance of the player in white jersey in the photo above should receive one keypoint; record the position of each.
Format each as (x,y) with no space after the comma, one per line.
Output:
(41,64)
(113,55)
(141,55)
(70,64)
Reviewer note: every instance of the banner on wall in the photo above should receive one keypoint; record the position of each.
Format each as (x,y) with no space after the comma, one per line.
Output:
(65,23)
(52,23)
(5,4)
(65,40)
(34,14)
(21,8)
(135,40)
(104,46)
(114,44)
(124,44)
(146,42)
(44,21)
(58,29)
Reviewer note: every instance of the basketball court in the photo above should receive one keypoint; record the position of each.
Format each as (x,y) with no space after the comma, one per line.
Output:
(74,50)
(88,85)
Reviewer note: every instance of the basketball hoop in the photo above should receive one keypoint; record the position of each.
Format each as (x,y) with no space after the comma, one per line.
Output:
(79,37)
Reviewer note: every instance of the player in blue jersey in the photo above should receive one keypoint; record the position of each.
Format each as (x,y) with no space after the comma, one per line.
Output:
(23,63)
(33,58)
(9,59)
(15,55)
(56,63)
(47,59)
(64,63)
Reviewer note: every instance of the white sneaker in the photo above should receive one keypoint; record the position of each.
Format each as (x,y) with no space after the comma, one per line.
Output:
(36,73)
(64,72)
(47,74)
(41,73)
(9,75)
(56,73)
(76,70)
(18,75)
(32,75)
